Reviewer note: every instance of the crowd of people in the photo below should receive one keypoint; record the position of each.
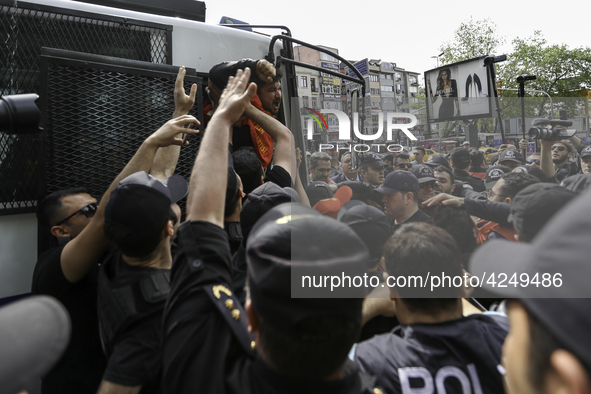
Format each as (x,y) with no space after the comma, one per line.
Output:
(159,304)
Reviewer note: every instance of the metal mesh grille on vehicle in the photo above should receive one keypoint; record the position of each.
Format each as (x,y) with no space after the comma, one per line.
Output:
(92,133)
(24,29)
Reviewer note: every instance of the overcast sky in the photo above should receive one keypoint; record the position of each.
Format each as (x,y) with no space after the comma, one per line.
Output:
(407,33)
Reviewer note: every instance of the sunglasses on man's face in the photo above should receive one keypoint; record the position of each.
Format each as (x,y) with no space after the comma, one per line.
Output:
(87,210)
(532,161)
(405,165)
(559,147)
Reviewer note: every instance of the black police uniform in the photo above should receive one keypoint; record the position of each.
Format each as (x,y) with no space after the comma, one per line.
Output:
(476,183)
(418,216)
(130,304)
(456,356)
(206,344)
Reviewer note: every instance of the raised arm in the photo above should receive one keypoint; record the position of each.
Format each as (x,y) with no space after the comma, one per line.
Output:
(82,252)
(284,153)
(167,158)
(546,163)
(207,187)
(299,187)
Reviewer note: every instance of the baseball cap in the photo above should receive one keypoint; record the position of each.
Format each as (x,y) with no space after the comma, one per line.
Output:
(291,242)
(577,183)
(399,181)
(460,157)
(317,191)
(586,152)
(437,160)
(533,170)
(424,173)
(260,201)
(535,205)
(389,158)
(493,174)
(371,225)
(466,143)
(347,206)
(511,155)
(140,203)
(34,334)
(331,206)
(295,197)
(372,160)
(559,252)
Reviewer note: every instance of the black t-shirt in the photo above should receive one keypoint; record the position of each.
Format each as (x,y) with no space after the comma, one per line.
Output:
(566,170)
(135,359)
(82,365)
(279,176)
(205,350)
(452,354)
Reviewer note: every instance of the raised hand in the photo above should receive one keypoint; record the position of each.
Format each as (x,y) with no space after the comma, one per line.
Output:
(298,156)
(182,102)
(265,71)
(165,135)
(235,98)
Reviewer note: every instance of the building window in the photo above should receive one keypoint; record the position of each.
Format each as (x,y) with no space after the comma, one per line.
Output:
(304,82)
(375,91)
(305,101)
(331,89)
(314,104)
(398,88)
(387,88)
(412,79)
(313,84)
(413,89)
(324,56)
(398,77)
(373,77)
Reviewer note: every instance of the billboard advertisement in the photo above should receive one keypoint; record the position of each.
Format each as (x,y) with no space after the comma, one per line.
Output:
(458,91)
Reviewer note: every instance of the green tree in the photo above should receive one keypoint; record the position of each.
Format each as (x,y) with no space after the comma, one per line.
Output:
(474,38)
(559,70)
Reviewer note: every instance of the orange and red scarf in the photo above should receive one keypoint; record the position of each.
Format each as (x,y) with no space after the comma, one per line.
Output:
(262,141)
